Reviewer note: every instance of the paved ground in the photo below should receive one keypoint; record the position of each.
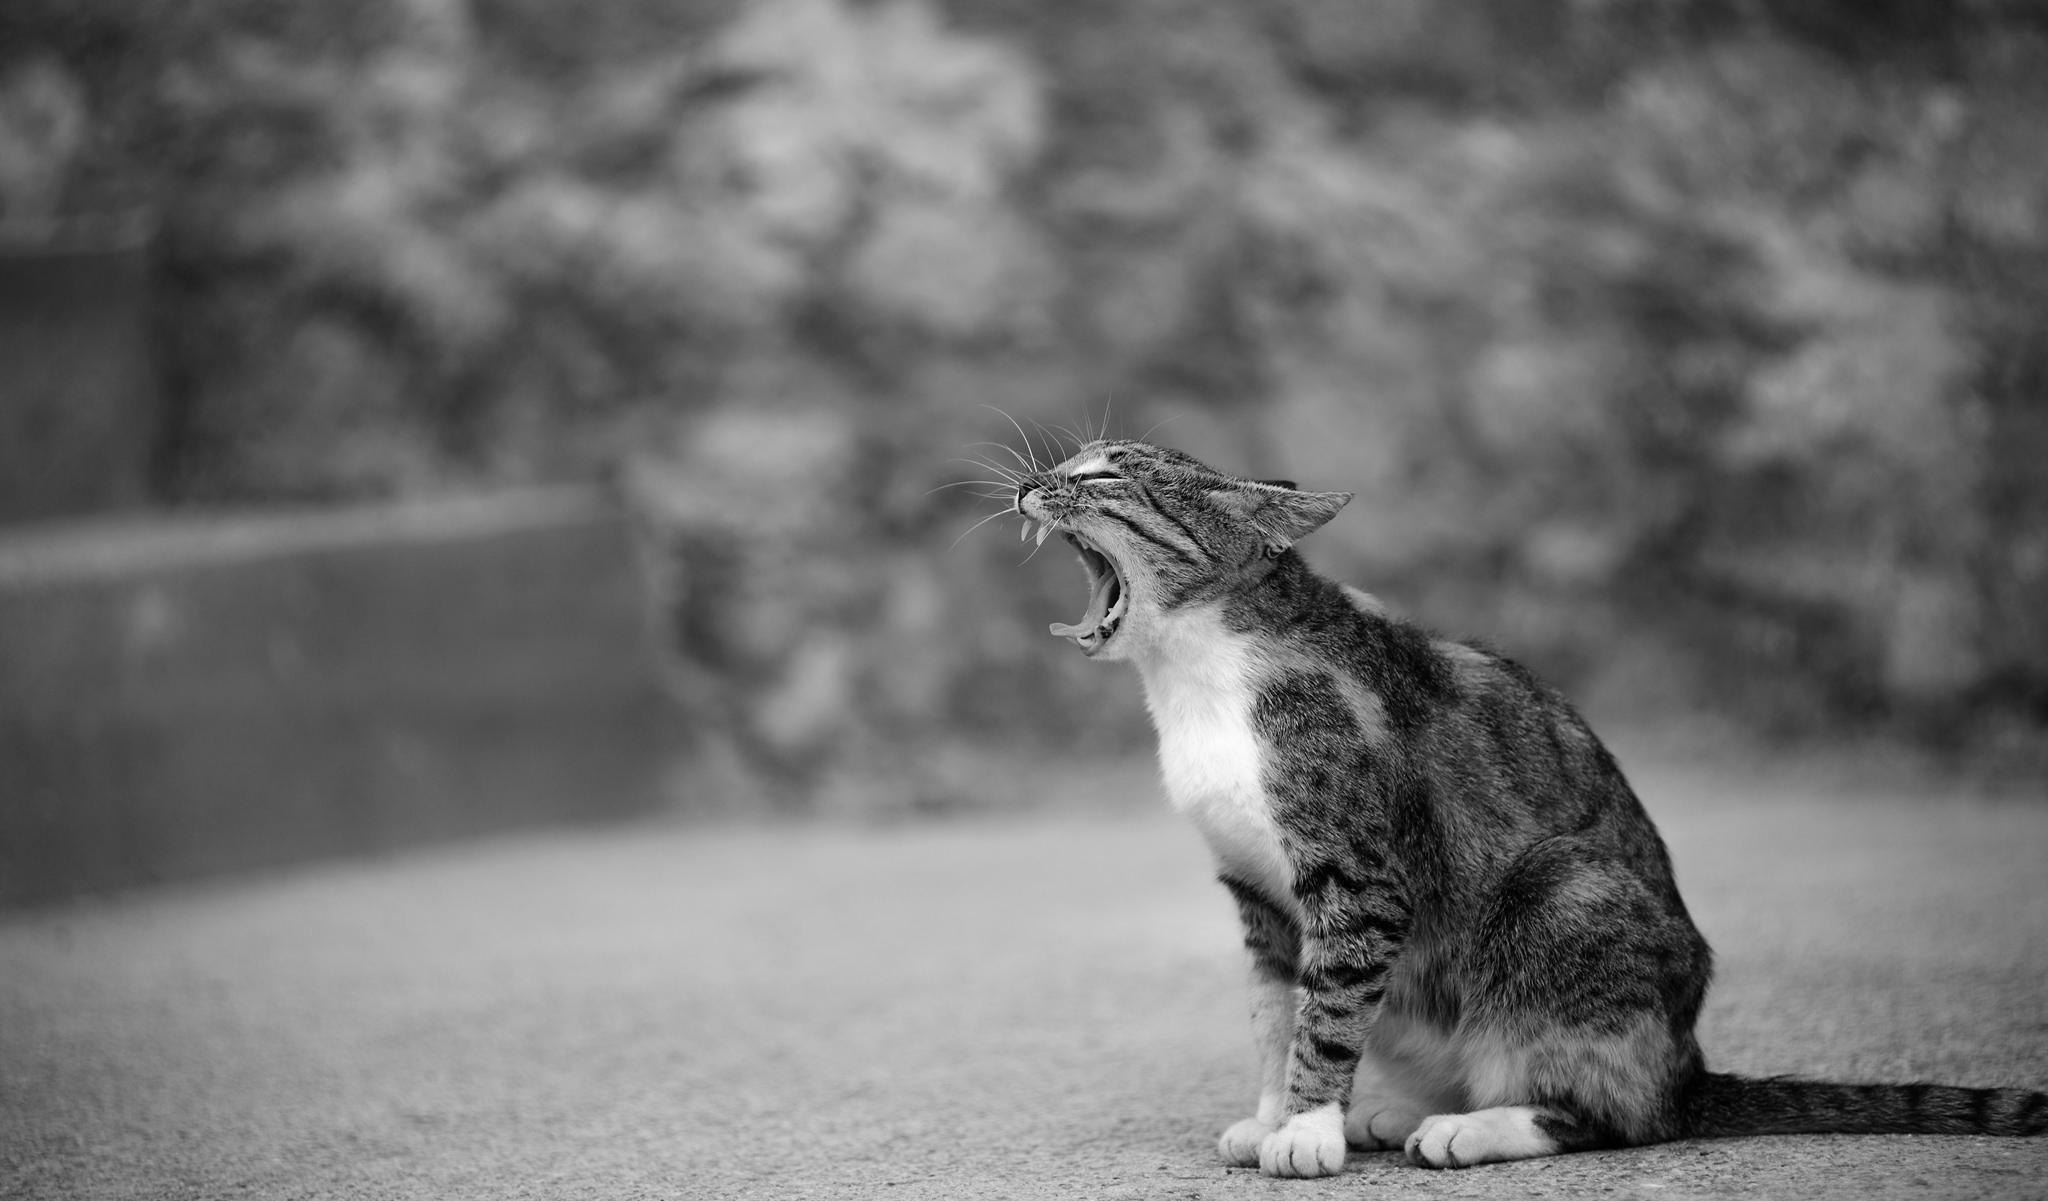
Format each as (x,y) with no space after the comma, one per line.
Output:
(1018,1008)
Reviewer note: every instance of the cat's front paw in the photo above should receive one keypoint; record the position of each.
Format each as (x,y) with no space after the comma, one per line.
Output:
(1239,1145)
(1307,1144)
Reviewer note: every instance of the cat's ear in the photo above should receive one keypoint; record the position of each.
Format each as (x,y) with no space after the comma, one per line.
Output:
(1282,515)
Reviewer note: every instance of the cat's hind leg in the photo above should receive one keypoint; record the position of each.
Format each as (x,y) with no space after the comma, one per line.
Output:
(1504,1132)
(1545,1092)
(1587,982)
(1409,1071)
(1381,1121)
(1459,1140)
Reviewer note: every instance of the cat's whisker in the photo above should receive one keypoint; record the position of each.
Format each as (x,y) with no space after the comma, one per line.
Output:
(1147,435)
(1032,465)
(1051,435)
(1080,437)
(977,525)
(1009,485)
(1050,456)
(1031,443)
(994,465)
(1014,479)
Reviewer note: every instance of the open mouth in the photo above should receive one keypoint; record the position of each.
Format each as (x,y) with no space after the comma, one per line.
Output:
(1108,599)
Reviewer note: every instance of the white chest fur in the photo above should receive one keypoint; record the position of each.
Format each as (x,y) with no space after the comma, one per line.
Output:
(1200,685)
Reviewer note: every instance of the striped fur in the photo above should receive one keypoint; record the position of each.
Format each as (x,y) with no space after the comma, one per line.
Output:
(1720,1105)
(1462,926)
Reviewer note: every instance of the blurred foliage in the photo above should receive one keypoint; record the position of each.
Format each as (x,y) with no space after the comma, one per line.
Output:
(1690,346)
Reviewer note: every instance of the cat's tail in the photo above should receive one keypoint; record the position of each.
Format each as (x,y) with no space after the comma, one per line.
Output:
(1719,1105)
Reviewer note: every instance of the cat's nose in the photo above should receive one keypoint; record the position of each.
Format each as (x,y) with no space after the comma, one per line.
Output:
(1023,492)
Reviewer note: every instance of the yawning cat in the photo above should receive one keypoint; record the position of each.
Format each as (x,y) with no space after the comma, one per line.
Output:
(1464,932)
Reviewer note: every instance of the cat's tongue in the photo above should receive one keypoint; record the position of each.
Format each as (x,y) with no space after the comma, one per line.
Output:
(1098,611)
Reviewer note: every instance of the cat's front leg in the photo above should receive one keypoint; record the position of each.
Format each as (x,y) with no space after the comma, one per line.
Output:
(1272,1004)
(1274,942)
(1355,923)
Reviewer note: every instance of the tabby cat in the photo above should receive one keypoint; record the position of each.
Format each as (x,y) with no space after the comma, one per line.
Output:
(1465,937)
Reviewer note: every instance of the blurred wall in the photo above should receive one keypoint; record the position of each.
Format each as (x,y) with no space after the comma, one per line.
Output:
(180,698)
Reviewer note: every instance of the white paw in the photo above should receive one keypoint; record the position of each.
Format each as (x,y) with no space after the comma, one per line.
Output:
(1380,1123)
(1459,1140)
(1239,1145)
(1307,1144)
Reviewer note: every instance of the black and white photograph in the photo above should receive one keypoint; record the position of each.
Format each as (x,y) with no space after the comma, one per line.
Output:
(1023,599)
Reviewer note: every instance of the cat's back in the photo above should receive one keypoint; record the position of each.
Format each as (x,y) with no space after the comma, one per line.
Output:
(1510,763)
(1503,758)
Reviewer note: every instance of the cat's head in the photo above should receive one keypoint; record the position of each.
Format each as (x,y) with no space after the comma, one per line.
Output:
(1158,530)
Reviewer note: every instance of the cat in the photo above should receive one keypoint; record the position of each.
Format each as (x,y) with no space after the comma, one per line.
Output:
(1465,938)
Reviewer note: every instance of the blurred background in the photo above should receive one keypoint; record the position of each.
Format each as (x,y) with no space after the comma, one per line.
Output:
(424,417)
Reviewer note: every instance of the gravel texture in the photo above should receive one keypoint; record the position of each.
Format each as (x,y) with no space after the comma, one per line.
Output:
(1027,1007)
